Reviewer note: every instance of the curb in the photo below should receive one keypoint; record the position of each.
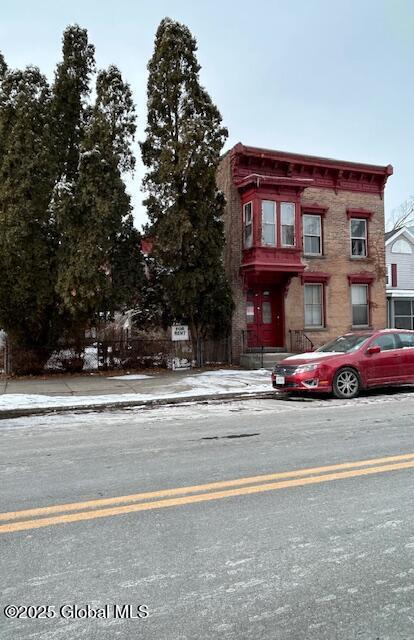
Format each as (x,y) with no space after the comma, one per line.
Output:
(204,399)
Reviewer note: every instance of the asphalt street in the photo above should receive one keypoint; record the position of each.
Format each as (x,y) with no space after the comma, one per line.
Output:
(259,519)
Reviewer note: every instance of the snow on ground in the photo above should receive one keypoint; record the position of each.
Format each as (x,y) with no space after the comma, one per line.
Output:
(131,376)
(57,359)
(210,383)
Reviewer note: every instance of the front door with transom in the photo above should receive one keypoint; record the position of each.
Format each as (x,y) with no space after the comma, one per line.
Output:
(264,316)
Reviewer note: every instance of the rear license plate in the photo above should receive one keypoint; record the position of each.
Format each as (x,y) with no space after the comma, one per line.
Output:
(280,379)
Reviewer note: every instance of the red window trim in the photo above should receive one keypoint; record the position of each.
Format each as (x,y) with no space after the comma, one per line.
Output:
(315,277)
(361,278)
(313,209)
(278,201)
(393,275)
(359,213)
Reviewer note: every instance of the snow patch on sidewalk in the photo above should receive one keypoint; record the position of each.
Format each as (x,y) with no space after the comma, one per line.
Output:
(130,376)
(210,383)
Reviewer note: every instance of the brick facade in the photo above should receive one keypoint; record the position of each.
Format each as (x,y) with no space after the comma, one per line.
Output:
(340,191)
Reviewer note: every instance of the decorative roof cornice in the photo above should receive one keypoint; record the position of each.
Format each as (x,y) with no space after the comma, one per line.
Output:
(323,172)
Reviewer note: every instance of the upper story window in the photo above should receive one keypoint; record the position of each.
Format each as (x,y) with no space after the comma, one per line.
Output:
(358,237)
(287,223)
(248,225)
(401,246)
(269,223)
(312,235)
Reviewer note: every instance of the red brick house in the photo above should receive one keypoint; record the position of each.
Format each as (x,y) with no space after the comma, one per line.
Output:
(305,247)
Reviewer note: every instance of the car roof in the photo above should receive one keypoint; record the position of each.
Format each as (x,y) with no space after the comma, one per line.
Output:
(394,330)
(376,332)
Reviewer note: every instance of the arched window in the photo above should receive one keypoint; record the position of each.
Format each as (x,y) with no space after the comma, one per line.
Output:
(401,246)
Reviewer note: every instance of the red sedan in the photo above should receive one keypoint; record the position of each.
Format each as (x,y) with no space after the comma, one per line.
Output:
(350,363)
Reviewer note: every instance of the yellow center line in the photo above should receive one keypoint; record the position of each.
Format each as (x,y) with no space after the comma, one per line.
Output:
(139,497)
(217,495)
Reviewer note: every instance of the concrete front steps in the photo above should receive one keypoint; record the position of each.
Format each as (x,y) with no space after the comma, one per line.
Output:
(262,360)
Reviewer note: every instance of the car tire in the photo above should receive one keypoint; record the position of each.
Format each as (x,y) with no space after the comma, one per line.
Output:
(346,383)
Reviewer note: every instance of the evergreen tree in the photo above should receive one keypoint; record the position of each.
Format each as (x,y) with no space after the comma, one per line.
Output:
(184,139)
(68,247)
(27,238)
(100,267)
(70,92)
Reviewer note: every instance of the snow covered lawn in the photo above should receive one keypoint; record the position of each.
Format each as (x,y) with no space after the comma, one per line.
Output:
(209,384)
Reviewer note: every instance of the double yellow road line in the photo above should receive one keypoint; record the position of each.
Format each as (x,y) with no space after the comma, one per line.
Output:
(120,505)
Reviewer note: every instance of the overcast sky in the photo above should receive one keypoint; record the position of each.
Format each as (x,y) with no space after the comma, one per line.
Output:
(322,77)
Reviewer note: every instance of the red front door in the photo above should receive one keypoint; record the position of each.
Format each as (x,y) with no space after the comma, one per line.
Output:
(264,315)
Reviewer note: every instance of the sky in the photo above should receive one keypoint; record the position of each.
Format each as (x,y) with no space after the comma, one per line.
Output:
(320,77)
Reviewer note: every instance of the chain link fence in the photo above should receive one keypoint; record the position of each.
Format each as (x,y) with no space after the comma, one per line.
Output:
(113,354)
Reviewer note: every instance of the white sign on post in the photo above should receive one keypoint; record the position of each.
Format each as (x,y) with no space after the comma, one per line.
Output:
(179,332)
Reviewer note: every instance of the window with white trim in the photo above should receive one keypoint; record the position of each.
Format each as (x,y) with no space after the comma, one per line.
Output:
(287,223)
(359,301)
(268,223)
(313,298)
(388,277)
(248,225)
(358,228)
(312,235)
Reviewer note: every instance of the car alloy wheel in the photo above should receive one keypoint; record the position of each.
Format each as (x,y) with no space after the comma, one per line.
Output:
(346,383)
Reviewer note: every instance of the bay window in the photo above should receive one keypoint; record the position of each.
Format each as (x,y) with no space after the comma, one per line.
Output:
(269,223)
(248,225)
(287,222)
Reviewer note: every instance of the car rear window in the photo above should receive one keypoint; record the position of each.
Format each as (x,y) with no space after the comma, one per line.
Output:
(406,339)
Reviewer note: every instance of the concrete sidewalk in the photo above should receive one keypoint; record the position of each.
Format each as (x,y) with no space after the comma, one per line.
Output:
(92,385)
(64,393)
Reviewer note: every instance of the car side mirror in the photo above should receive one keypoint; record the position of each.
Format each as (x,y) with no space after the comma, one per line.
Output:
(371,350)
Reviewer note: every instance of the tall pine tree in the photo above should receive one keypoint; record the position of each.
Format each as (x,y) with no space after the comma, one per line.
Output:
(100,265)
(99,262)
(70,92)
(27,237)
(184,139)
(68,247)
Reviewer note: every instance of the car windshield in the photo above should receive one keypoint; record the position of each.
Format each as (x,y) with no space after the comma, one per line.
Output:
(345,344)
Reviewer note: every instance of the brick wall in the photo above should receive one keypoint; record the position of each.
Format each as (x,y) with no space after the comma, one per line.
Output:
(233,250)
(336,261)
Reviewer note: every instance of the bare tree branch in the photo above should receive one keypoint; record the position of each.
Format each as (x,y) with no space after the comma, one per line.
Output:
(402,216)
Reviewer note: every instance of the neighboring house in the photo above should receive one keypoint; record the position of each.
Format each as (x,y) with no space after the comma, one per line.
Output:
(305,247)
(399,256)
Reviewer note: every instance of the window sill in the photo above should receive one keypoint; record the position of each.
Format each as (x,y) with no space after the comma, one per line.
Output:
(359,257)
(310,256)
(359,327)
(315,329)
